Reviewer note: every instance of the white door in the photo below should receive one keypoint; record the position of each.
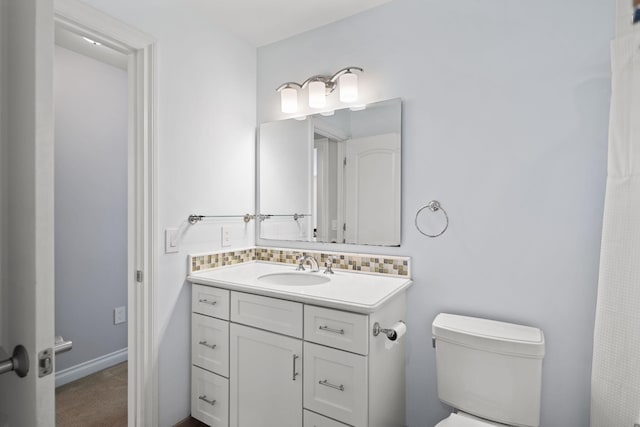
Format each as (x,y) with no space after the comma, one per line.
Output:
(26,218)
(265,379)
(372,190)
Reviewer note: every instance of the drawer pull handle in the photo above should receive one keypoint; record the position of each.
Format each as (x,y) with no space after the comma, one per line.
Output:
(295,374)
(328,329)
(206,344)
(328,384)
(204,399)
(206,301)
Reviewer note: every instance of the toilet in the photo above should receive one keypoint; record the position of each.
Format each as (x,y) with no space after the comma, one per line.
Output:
(490,372)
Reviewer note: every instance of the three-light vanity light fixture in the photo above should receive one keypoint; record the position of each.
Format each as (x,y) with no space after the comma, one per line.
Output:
(320,87)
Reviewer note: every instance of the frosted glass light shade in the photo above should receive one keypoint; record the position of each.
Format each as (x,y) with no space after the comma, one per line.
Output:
(289,100)
(317,95)
(348,87)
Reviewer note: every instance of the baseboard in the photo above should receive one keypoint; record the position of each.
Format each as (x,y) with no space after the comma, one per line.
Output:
(89,367)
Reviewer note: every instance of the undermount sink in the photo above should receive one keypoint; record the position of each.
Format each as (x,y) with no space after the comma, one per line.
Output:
(293,279)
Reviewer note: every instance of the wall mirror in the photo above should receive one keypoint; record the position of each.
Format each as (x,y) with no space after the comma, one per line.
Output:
(332,178)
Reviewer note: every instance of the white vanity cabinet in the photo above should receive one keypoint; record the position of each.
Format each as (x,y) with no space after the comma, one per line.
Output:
(260,361)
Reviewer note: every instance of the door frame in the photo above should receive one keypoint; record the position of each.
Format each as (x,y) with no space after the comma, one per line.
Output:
(142,245)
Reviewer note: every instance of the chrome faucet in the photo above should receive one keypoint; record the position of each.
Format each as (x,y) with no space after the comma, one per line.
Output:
(312,261)
(328,264)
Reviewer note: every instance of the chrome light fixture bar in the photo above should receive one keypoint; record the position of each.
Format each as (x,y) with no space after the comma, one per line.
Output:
(320,86)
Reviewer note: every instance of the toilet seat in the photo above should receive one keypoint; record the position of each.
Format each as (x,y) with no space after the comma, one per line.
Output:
(461,419)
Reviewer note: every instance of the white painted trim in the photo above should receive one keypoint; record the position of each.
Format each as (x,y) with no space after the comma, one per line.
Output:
(142,199)
(89,367)
(322,188)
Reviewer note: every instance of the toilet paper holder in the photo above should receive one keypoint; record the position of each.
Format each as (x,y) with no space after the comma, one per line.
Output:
(391,334)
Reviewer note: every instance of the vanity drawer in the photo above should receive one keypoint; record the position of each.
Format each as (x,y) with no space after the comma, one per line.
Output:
(335,328)
(311,419)
(210,301)
(209,398)
(210,343)
(271,314)
(336,384)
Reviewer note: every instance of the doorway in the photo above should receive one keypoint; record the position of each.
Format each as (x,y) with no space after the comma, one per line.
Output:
(91,127)
(140,252)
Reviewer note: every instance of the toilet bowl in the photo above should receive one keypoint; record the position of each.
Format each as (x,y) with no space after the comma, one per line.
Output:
(461,419)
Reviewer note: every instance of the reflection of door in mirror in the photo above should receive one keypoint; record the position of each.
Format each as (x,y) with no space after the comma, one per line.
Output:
(325,200)
(372,174)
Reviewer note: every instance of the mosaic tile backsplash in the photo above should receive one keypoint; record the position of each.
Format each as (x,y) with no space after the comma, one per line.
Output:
(365,263)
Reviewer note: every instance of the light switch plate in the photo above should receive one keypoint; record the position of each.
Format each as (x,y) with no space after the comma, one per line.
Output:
(119,315)
(225,239)
(170,240)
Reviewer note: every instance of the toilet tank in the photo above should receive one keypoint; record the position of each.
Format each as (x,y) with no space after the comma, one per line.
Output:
(489,369)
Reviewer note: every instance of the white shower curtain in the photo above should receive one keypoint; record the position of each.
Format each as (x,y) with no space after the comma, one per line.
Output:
(615,381)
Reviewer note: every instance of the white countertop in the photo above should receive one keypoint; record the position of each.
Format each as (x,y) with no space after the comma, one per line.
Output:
(359,292)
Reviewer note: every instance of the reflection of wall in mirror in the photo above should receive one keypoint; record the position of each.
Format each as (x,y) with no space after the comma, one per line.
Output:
(285,228)
(377,120)
(285,178)
(285,160)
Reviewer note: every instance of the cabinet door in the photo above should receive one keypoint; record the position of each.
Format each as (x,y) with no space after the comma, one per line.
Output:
(265,379)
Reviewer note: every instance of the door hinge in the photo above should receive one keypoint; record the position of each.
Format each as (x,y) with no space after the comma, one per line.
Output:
(344,226)
(344,162)
(139,276)
(45,362)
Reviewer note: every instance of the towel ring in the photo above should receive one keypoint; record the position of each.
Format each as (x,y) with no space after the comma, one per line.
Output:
(433,206)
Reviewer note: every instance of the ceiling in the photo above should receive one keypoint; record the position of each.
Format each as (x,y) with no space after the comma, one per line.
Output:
(261,22)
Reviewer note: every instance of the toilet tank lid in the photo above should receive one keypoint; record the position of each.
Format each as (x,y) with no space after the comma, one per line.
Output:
(489,335)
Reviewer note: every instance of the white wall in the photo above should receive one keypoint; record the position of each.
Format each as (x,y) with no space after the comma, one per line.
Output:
(505,123)
(206,134)
(91,205)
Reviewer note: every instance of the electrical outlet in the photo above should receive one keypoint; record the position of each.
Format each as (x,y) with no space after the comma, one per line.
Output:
(170,240)
(225,239)
(119,315)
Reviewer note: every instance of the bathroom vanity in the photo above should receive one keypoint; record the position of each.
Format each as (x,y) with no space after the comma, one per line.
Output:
(272,347)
